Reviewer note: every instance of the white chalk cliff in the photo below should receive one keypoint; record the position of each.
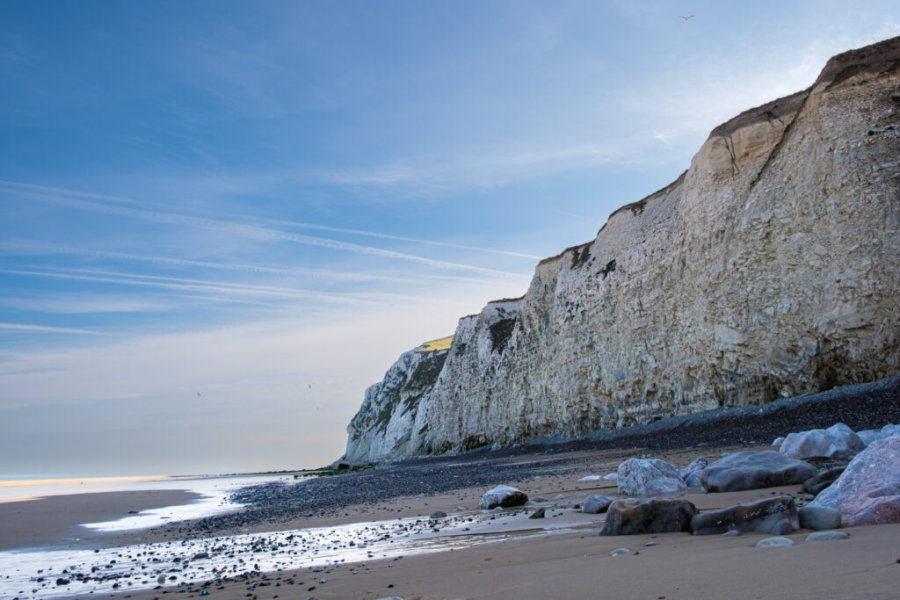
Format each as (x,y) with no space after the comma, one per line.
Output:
(770,268)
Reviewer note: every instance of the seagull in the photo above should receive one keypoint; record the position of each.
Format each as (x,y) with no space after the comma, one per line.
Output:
(685,19)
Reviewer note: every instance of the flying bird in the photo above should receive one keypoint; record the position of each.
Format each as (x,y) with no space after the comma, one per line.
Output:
(685,18)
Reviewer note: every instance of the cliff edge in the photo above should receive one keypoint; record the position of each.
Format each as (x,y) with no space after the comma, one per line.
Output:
(769,269)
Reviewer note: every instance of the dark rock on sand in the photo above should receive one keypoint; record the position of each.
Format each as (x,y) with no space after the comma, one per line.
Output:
(819,482)
(656,515)
(538,514)
(751,470)
(772,515)
(503,495)
(596,504)
(438,514)
(819,517)
(645,477)
(868,492)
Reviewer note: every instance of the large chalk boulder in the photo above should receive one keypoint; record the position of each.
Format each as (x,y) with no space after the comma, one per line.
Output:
(504,496)
(870,435)
(632,516)
(751,470)
(777,516)
(868,492)
(838,441)
(644,477)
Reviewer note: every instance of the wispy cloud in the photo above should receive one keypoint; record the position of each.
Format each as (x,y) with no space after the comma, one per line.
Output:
(61,197)
(74,304)
(508,163)
(30,328)
(18,248)
(221,290)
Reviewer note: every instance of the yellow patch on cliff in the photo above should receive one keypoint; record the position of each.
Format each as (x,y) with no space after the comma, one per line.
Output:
(436,345)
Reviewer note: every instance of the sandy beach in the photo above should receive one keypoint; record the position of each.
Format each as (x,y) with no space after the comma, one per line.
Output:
(56,520)
(560,556)
(414,530)
(576,562)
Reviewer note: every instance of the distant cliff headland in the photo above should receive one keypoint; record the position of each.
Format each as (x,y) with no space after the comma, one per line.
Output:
(770,268)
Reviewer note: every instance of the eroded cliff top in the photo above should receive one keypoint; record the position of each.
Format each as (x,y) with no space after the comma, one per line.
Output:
(880,58)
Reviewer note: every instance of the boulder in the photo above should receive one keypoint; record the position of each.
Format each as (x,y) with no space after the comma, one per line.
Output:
(504,496)
(691,473)
(819,517)
(838,441)
(595,504)
(632,516)
(648,477)
(819,482)
(773,515)
(751,470)
(870,435)
(868,491)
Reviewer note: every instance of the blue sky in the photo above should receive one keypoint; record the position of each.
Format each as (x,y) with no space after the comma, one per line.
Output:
(222,220)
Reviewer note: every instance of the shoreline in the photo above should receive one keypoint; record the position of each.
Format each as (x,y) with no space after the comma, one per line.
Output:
(357,534)
(56,521)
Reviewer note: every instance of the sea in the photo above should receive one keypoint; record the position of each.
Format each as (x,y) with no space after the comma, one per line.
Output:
(213,490)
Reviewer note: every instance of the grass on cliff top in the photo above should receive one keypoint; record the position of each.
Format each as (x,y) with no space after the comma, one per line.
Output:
(437,345)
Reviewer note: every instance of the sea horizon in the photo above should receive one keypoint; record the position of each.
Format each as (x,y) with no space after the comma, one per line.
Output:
(14,489)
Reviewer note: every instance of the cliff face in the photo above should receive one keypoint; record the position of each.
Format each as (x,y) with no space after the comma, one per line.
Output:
(770,268)
(382,428)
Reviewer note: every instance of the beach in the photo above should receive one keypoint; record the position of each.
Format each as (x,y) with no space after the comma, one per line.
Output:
(56,520)
(415,529)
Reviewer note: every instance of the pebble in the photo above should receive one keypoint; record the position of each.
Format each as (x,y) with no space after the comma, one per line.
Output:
(619,551)
(824,536)
(775,542)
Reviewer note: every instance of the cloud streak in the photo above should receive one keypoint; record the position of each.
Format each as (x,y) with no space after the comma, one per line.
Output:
(60,197)
(30,328)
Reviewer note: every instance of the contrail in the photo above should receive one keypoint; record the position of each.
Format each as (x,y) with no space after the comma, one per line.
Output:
(27,328)
(103,204)
(28,247)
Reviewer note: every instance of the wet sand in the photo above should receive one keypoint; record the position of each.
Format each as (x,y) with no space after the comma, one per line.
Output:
(55,520)
(577,563)
(570,560)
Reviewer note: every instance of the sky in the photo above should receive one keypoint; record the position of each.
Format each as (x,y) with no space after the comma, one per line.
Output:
(221,221)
